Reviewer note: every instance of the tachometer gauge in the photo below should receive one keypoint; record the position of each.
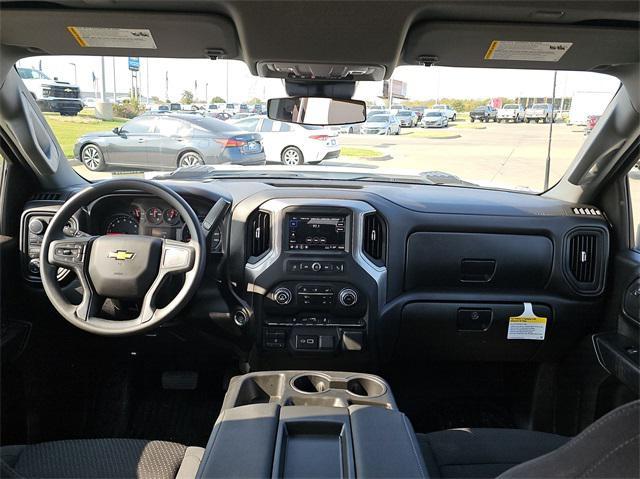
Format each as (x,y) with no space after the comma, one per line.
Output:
(154,215)
(171,216)
(122,225)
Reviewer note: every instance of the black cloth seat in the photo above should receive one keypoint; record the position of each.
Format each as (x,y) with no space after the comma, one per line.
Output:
(608,448)
(101,458)
(483,452)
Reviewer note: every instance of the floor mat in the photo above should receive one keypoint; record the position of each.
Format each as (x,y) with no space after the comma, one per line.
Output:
(186,417)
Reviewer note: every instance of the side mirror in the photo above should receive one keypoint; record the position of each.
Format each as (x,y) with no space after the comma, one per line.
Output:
(317,111)
(116,130)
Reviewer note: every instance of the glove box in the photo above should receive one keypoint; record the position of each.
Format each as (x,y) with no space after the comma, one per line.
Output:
(470,331)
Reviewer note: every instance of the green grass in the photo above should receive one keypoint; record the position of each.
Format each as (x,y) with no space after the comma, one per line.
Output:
(69,128)
(360,152)
(442,134)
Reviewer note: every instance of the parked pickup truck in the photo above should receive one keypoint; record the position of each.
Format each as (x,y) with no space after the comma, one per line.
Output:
(511,112)
(539,112)
(483,113)
(52,95)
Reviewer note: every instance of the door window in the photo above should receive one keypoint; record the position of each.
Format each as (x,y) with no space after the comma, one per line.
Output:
(250,124)
(139,126)
(267,126)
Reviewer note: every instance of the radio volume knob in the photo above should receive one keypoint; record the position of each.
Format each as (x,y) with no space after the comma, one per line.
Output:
(348,297)
(282,296)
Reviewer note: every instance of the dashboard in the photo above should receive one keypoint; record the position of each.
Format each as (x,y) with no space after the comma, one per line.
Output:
(345,275)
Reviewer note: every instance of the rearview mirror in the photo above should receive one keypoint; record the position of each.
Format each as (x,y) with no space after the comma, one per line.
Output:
(317,111)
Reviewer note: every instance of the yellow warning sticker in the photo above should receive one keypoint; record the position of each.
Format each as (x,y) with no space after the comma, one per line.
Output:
(98,37)
(527,51)
(527,325)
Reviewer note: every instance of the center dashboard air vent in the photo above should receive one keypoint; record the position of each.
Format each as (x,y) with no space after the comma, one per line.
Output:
(374,237)
(259,233)
(585,259)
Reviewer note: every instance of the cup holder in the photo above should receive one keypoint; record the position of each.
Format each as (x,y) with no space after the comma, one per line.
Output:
(311,384)
(365,387)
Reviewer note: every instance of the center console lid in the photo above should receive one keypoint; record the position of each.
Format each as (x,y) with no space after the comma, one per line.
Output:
(311,424)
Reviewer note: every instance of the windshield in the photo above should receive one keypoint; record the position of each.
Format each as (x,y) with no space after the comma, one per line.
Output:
(181,113)
(31,74)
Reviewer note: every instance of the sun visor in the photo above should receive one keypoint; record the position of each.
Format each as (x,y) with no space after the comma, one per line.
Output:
(105,33)
(521,46)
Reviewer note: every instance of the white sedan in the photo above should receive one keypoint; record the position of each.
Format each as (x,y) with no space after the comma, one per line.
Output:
(292,144)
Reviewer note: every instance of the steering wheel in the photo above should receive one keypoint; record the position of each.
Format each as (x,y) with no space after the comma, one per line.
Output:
(121,266)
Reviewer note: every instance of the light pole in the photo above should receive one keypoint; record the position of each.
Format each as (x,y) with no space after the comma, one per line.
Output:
(113,62)
(548,162)
(75,73)
(103,91)
(227,84)
(206,93)
(147,72)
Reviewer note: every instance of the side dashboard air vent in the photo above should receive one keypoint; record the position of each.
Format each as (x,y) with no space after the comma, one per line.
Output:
(259,233)
(586,255)
(46,196)
(374,238)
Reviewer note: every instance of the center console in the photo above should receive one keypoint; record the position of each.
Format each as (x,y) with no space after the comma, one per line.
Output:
(316,290)
(311,424)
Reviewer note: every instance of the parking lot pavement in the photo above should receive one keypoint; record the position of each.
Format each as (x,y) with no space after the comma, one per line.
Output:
(501,154)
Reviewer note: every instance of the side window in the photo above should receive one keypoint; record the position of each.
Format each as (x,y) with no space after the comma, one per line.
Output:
(634,196)
(139,126)
(167,127)
(250,124)
(267,126)
(285,127)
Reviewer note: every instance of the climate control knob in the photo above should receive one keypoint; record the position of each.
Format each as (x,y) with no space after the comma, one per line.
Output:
(347,297)
(282,296)
(316,267)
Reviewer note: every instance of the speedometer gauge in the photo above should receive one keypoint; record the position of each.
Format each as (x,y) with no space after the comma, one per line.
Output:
(122,225)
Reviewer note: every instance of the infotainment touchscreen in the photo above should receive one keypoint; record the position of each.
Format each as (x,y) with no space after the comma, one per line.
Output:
(316,232)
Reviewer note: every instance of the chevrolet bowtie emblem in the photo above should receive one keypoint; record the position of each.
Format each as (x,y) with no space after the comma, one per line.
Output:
(121,255)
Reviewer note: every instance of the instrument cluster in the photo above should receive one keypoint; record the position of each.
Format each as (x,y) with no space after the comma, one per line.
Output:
(123,215)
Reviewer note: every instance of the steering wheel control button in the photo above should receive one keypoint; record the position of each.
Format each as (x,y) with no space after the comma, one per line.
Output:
(305,341)
(348,297)
(282,296)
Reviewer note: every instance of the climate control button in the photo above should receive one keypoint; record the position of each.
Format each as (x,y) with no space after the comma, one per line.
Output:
(347,297)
